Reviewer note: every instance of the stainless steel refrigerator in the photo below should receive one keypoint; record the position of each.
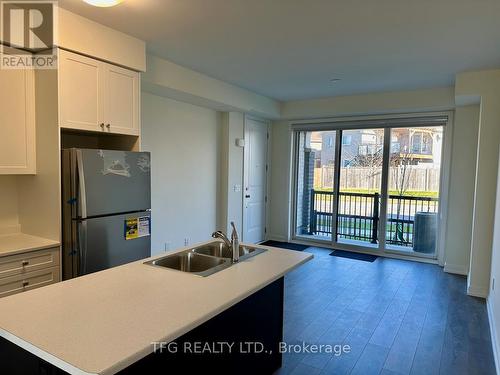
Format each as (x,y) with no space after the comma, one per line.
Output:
(106,209)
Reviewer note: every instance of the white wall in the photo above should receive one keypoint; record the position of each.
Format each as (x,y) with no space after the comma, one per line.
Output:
(494,296)
(281,155)
(461,192)
(165,78)
(439,99)
(184,143)
(77,33)
(9,217)
(231,207)
(486,86)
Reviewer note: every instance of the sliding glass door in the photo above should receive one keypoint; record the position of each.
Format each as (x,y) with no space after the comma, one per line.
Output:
(315,160)
(370,188)
(360,187)
(414,184)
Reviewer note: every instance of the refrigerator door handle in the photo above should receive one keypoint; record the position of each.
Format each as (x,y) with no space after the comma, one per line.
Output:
(82,248)
(73,189)
(82,196)
(72,253)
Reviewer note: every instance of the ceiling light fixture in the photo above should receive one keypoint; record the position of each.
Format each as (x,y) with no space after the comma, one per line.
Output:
(103,3)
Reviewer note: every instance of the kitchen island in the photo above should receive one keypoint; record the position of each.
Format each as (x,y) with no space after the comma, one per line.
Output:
(114,320)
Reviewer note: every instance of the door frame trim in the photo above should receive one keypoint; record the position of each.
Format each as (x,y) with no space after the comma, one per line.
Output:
(339,134)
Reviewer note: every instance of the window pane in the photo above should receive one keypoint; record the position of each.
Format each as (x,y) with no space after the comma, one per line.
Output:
(360,182)
(315,174)
(414,178)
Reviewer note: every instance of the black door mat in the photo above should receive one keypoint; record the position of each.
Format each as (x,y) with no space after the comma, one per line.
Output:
(285,245)
(356,256)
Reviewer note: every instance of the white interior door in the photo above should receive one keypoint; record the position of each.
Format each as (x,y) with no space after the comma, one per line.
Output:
(255,181)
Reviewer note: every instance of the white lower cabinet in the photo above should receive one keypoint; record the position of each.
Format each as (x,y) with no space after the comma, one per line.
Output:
(30,270)
(29,280)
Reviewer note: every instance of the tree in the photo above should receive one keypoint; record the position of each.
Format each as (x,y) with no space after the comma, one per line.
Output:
(400,163)
(367,154)
(371,161)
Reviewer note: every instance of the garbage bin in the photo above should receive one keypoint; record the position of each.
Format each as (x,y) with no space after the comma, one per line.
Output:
(425,232)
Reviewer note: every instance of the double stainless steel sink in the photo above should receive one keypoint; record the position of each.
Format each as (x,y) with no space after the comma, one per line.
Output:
(204,260)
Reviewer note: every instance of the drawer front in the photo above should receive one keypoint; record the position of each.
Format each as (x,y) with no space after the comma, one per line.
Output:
(29,280)
(26,262)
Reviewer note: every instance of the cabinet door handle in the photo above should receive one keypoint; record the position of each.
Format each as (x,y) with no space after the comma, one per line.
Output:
(25,283)
(102,125)
(247,196)
(24,263)
(108,126)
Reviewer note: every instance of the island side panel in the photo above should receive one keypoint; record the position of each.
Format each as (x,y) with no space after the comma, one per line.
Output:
(14,360)
(252,325)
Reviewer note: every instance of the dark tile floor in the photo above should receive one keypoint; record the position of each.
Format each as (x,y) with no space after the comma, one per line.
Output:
(398,317)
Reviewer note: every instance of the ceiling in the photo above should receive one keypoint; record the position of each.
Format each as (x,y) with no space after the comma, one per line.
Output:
(291,49)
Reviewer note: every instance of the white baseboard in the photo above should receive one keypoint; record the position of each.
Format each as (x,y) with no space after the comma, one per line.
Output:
(455,269)
(493,332)
(274,237)
(481,292)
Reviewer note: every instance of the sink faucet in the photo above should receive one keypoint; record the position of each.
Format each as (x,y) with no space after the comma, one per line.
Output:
(233,244)
(236,243)
(223,237)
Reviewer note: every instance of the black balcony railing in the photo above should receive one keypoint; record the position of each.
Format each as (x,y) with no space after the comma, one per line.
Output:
(359,215)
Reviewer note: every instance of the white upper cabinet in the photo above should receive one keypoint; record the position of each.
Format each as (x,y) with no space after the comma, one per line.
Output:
(17,122)
(81,86)
(121,100)
(97,96)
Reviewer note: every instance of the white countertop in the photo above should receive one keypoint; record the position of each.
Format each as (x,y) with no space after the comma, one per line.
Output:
(20,243)
(105,321)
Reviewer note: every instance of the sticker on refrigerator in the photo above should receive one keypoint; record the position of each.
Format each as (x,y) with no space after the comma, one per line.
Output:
(137,227)
(143,163)
(114,163)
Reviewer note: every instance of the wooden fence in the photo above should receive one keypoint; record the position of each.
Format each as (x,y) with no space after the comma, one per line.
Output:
(417,178)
